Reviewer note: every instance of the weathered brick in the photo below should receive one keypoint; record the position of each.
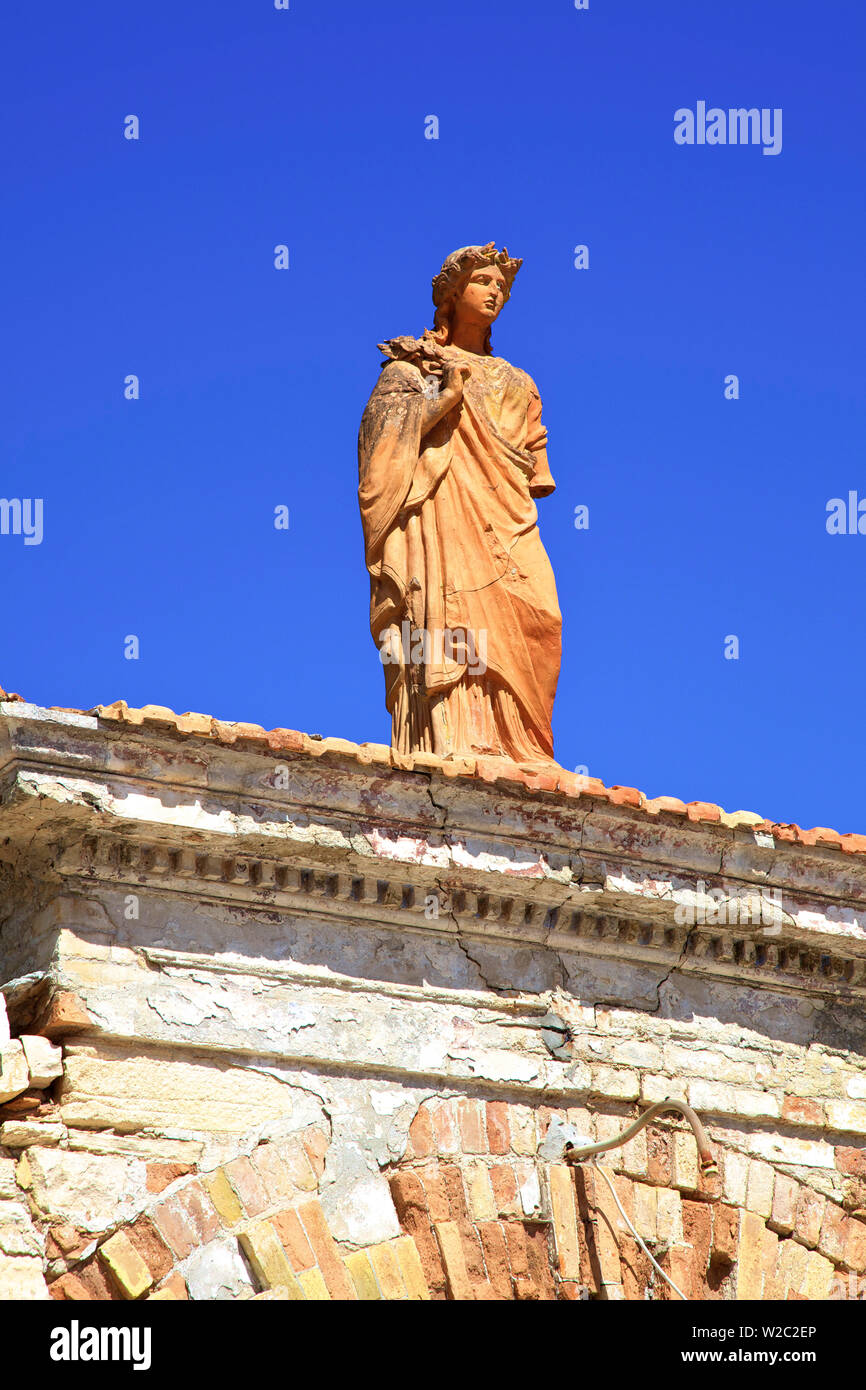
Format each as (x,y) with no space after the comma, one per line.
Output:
(759,1192)
(473,1128)
(384,1261)
(521,1120)
(293,1239)
(407,1193)
(669,1216)
(637,1271)
(798,1110)
(498,1128)
(421,1141)
(735,1168)
(678,1262)
(162,1175)
(436,1193)
(174,1290)
(645,1211)
(851,1161)
(410,1268)
(538,1257)
(810,1215)
(174,1226)
(273,1174)
(363,1278)
(726,1234)
(224,1198)
(320,1238)
(151,1247)
(314,1288)
(783,1216)
(496,1258)
(505,1194)
(634,1156)
(316,1143)
(750,1269)
(459,1284)
(268,1259)
(698,1231)
(832,1238)
(299,1170)
(819,1276)
(773,1289)
(855,1245)
(89,1281)
(481,1203)
(528,1186)
(248,1186)
(445,1129)
(658,1156)
(564,1214)
(125,1265)
(793,1259)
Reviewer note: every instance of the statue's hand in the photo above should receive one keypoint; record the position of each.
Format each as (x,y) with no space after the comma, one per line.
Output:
(453,377)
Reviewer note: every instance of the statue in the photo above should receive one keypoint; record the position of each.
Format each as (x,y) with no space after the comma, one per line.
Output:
(452,455)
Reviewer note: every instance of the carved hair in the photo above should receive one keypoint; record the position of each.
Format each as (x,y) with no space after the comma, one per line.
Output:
(448,285)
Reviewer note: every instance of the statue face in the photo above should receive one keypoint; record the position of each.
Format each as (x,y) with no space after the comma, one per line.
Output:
(482,297)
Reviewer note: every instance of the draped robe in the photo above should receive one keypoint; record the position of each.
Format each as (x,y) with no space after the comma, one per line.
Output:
(453,546)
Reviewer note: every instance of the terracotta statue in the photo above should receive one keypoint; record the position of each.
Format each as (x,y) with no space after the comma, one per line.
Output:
(463,601)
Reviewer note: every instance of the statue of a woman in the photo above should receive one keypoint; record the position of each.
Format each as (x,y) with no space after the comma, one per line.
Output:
(463,600)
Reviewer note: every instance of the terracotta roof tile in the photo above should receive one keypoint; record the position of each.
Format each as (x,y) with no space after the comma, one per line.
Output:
(494,771)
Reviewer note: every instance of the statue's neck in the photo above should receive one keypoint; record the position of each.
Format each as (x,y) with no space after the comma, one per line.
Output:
(469,337)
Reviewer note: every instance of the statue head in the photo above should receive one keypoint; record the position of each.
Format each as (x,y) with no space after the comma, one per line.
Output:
(472,286)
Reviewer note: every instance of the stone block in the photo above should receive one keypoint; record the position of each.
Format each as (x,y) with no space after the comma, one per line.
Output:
(23,1134)
(44,1060)
(616,1083)
(21,1278)
(684,1162)
(14,1072)
(759,1192)
(216,1271)
(847,1116)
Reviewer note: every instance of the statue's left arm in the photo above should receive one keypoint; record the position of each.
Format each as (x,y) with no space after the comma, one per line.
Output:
(541,483)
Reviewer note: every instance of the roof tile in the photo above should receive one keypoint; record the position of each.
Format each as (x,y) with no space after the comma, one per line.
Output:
(494,771)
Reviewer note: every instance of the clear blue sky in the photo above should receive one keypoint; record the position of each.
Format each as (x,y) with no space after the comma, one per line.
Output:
(306,127)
